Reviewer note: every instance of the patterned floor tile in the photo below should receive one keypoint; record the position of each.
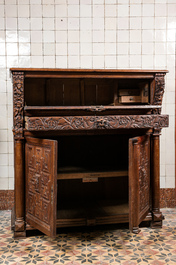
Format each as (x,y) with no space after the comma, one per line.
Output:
(98,246)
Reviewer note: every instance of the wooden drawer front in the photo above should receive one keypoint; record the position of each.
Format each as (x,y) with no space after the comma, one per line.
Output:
(96,122)
(130,99)
(133,99)
(134,95)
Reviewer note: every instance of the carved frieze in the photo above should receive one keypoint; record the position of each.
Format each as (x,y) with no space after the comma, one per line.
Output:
(159,88)
(18,103)
(96,122)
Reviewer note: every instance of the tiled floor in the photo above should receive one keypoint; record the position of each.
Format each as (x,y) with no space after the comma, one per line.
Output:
(101,246)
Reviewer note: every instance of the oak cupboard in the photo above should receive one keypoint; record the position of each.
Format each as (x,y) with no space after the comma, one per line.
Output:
(86,148)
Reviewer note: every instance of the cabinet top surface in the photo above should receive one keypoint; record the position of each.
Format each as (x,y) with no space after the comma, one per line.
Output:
(86,73)
(88,70)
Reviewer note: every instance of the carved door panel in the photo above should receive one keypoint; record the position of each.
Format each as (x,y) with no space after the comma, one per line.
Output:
(139,180)
(41,184)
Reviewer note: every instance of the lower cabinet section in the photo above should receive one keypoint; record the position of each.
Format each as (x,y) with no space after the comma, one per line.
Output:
(87,180)
(103,202)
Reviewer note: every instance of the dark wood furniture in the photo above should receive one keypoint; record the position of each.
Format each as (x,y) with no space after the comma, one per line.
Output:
(86,148)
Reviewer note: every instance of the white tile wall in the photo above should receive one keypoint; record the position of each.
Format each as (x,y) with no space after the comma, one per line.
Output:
(87,34)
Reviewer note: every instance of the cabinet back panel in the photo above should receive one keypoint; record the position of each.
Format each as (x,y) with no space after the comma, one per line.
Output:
(88,92)
(98,152)
(63,92)
(72,96)
(98,92)
(54,92)
(110,189)
(131,83)
(68,92)
(34,93)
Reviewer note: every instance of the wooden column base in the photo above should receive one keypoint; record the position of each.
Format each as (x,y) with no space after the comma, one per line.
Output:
(156,224)
(20,234)
(19,225)
(157,219)
(136,230)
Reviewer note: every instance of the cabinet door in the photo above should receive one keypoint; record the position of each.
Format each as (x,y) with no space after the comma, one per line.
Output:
(41,184)
(139,181)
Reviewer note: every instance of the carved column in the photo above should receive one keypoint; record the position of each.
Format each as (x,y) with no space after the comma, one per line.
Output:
(155,151)
(155,179)
(18,106)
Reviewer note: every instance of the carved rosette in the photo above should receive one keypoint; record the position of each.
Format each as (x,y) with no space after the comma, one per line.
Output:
(96,122)
(18,104)
(159,88)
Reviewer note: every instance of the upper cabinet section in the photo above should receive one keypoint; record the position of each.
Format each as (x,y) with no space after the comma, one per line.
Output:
(86,92)
(117,89)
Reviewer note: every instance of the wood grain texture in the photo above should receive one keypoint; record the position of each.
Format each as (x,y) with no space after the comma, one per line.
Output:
(41,182)
(139,180)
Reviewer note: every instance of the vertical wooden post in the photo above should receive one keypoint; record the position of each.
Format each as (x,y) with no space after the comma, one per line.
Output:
(19,228)
(18,126)
(155,179)
(134,186)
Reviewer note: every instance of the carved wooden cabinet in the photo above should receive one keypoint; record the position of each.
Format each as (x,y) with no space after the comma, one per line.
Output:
(86,148)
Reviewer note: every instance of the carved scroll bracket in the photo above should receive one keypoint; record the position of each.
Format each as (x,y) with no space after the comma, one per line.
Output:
(156,132)
(159,88)
(18,103)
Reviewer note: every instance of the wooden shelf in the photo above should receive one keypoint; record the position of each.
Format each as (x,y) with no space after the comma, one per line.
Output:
(99,107)
(91,176)
(80,213)
(40,111)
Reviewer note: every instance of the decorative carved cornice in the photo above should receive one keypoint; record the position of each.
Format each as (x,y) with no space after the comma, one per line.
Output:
(159,88)
(18,103)
(96,122)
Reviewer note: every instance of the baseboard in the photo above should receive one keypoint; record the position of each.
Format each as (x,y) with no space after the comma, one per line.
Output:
(6,199)
(167,199)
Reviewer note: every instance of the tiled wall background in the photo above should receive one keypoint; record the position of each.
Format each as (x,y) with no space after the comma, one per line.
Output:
(86,34)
